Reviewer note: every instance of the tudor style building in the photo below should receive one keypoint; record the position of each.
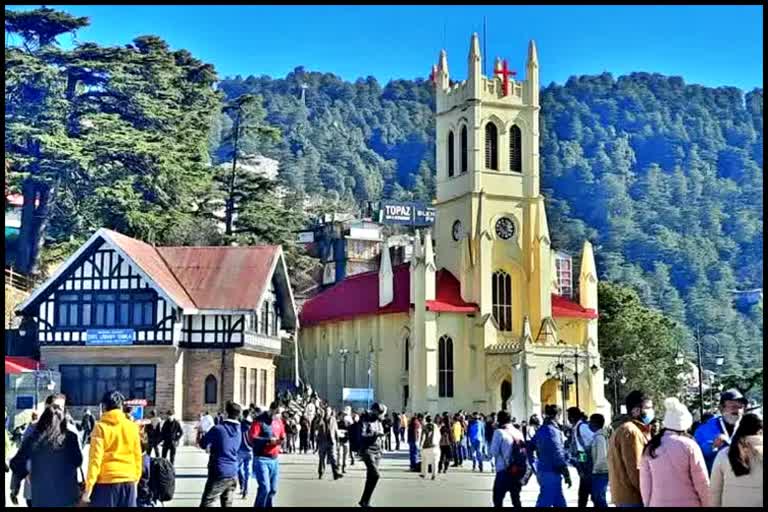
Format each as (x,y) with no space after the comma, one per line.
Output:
(185,328)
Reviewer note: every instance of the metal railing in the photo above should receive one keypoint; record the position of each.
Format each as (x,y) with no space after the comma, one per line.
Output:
(18,281)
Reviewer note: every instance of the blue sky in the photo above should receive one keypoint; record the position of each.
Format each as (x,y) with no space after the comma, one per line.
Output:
(710,45)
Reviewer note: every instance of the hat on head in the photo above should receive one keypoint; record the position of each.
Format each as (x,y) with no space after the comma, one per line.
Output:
(732,394)
(676,415)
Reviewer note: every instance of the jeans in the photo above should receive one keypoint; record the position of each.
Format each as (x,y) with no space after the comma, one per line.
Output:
(599,488)
(477,455)
(445,458)
(585,489)
(413,452)
(327,452)
(169,447)
(341,455)
(551,491)
(371,461)
(397,438)
(223,488)
(244,461)
(458,460)
(502,485)
(266,470)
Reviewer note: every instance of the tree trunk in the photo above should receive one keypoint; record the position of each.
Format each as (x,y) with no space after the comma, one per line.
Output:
(230,207)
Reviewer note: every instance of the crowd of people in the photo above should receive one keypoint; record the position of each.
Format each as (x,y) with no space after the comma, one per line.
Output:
(643,460)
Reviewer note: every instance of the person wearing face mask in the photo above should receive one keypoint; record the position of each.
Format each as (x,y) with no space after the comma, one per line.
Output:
(672,470)
(737,476)
(625,449)
(715,434)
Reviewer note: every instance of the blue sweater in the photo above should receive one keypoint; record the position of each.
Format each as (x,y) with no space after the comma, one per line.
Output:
(476,431)
(548,442)
(224,440)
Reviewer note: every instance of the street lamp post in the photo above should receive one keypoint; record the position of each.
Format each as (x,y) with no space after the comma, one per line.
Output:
(698,340)
(344,353)
(576,357)
(616,374)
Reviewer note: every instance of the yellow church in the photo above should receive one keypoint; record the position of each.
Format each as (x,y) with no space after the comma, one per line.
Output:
(482,318)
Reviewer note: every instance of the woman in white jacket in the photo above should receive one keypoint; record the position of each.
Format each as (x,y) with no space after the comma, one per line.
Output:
(737,474)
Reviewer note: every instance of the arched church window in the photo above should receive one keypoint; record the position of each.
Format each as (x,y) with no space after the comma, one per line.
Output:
(515,150)
(450,154)
(445,366)
(464,149)
(501,289)
(491,147)
(406,349)
(210,389)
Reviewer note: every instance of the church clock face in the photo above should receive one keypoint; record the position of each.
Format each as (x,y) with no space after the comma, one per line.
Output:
(457,230)
(505,228)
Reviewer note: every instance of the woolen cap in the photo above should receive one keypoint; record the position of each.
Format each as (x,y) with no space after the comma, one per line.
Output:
(676,415)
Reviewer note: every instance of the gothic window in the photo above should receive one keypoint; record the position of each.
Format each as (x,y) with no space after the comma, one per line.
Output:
(502,300)
(445,366)
(464,149)
(406,342)
(564,270)
(450,154)
(491,147)
(515,150)
(210,390)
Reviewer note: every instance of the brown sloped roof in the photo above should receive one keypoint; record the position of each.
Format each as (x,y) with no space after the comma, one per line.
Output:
(147,257)
(222,277)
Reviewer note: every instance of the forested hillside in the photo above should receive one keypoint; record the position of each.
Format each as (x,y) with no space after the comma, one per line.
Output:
(664,177)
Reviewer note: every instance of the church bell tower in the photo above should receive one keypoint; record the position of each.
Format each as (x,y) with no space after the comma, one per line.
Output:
(491,227)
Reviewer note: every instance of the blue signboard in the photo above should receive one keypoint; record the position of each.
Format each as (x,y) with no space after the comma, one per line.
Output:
(357,394)
(24,402)
(406,212)
(109,337)
(137,412)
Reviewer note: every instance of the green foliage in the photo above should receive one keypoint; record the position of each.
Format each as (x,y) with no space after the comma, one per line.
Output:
(107,136)
(642,340)
(664,177)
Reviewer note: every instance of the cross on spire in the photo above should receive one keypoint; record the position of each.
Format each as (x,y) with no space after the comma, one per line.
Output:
(505,73)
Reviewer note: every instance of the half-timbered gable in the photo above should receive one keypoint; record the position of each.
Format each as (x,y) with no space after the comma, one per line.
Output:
(100,288)
(152,322)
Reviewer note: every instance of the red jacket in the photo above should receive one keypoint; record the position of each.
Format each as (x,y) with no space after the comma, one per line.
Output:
(269,450)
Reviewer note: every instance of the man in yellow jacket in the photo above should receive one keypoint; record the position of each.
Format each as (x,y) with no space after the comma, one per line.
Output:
(114,466)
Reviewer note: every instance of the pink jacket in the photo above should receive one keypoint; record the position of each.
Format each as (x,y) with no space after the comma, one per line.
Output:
(677,476)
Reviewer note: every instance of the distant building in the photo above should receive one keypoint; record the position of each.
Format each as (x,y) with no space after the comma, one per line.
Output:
(186,328)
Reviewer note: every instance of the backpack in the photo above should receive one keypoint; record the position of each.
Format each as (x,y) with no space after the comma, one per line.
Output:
(162,479)
(519,468)
(583,460)
(429,433)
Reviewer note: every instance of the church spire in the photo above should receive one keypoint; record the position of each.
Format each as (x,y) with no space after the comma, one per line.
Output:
(588,278)
(532,73)
(386,278)
(429,253)
(475,74)
(442,71)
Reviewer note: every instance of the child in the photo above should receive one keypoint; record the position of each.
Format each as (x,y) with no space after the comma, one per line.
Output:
(143,493)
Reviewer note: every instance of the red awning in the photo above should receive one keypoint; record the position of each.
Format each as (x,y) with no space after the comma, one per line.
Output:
(15,364)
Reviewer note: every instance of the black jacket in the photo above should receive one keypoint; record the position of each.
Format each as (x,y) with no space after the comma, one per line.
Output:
(54,470)
(171,432)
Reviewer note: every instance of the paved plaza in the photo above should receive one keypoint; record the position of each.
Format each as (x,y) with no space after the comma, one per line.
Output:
(299,485)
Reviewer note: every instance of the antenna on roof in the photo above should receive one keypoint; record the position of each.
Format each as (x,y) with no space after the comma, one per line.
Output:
(485,48)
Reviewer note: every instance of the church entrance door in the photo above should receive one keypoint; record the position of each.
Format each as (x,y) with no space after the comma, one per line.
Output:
(506,393)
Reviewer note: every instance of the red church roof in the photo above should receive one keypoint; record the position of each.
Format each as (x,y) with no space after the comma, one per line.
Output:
(562,307)
(358,295)
(15,364)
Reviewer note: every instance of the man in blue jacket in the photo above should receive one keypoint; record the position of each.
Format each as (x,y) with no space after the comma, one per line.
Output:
(552,465)
(476,434)
(716,433)
(224,441)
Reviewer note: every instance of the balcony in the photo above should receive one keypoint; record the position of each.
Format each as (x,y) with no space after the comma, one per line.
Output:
(262,343)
